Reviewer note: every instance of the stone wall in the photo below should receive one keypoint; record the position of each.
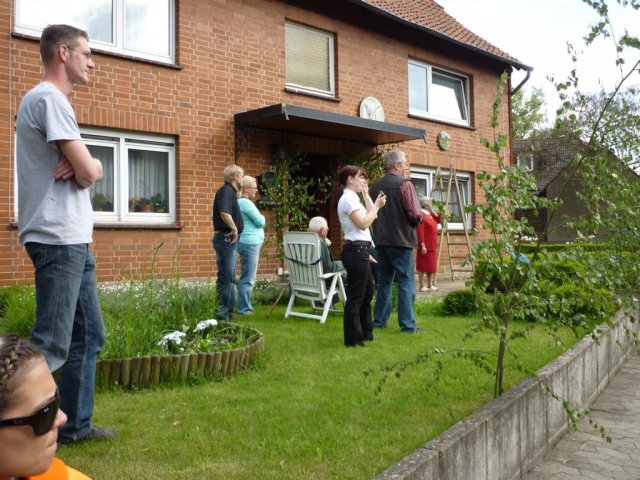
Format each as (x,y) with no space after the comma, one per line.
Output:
(505,438)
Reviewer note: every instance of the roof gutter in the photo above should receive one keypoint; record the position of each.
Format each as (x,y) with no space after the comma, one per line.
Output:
(435,33)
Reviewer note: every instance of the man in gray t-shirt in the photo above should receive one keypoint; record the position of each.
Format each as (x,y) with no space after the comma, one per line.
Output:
(55,171)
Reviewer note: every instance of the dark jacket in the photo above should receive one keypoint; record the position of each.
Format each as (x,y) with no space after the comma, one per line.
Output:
(392,228)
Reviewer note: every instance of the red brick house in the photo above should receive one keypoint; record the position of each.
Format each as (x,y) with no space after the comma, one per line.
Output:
(187,87)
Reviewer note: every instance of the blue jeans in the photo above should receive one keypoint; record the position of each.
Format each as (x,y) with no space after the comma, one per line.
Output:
(249,255)
(225,285)
(395,263)
(68,328)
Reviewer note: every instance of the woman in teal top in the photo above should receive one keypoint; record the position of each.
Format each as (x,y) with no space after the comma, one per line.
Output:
(249,244)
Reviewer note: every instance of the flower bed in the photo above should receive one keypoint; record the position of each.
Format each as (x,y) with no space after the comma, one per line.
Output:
(181,361)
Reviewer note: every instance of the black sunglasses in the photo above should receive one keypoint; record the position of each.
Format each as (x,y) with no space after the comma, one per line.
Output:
(41,422)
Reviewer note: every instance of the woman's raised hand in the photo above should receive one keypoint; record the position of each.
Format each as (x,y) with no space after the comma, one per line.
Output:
(381,200)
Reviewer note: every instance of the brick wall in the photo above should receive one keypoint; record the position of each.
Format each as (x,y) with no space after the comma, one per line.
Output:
(232,60)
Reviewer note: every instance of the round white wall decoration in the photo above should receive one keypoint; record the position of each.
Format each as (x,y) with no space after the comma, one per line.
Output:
(372,109)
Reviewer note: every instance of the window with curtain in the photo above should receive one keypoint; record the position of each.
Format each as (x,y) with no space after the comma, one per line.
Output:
(438,94)
(423,179)
(138,184)
(309,59)
(141,28)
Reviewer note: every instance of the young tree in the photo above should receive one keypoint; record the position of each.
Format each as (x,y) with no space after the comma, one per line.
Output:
(527,114)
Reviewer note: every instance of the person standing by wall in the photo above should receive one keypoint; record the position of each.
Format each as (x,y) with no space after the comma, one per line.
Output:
(394,234)
(356,219)
(55,171)
(227,226)
(249,244)
(427,253)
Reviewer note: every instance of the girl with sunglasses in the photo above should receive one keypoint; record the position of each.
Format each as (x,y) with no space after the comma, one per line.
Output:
(29,415)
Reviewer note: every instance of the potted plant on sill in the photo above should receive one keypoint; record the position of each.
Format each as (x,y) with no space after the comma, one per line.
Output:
(158,203)
(144,205)
(101,203)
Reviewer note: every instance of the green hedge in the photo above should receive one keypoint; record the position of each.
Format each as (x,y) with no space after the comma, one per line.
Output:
(459,302)
(529,248)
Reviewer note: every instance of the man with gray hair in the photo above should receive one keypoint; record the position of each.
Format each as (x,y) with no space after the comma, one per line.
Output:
(227,226)
(320,226)
(394,234)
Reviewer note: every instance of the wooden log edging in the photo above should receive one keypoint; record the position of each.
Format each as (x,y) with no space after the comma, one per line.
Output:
(507,437)
(143,372)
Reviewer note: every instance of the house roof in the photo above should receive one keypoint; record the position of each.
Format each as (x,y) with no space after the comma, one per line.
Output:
(430,17)
(551,155)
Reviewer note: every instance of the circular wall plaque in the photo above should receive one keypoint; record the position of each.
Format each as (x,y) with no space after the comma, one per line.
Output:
(444,140)
(371,108)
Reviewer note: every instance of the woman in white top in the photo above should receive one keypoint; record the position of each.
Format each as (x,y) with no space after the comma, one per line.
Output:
(356,219)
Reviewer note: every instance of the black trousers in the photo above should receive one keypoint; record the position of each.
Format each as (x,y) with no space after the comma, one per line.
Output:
(358,325)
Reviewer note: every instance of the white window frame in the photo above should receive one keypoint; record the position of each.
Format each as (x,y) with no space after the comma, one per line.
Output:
(332,71)
(118,34)
(122,142)
(445,73)
(464,181)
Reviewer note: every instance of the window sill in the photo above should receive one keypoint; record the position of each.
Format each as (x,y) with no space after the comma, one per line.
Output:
(13,223)
(307,93)
(440,121)
(173,66)
(137,226)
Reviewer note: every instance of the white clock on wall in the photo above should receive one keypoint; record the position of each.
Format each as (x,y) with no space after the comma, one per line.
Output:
(372,109)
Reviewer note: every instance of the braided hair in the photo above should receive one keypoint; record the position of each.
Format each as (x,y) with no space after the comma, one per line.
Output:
(15,353)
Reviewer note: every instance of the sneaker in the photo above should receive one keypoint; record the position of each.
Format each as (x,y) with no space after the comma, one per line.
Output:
(96,434)
(416,331)
(424,289)
(434,288)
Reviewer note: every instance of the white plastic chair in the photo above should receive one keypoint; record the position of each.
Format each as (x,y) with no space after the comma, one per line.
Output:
(306,278)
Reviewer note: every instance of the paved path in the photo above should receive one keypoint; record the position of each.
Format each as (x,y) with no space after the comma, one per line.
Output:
(444,284)
(582,454)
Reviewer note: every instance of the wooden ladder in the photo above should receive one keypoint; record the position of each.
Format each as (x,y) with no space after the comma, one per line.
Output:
(438,185)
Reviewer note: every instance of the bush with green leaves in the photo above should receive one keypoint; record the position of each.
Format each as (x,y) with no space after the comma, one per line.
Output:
(489,274)
(577,306)
(460,302)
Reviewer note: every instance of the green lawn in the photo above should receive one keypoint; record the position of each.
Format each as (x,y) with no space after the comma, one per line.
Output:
(308,411)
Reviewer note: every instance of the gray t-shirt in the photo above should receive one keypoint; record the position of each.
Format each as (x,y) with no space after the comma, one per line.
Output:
(50,211)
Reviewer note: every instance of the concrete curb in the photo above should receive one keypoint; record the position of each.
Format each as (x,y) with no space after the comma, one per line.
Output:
(505,438)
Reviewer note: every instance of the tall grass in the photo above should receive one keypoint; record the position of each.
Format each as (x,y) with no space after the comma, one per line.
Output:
(138,314)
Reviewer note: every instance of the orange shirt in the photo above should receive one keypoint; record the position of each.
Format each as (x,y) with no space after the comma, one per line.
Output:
(59,471)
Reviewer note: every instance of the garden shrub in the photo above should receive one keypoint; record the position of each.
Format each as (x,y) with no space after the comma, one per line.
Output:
(529,248)
(560,270)
(487,273)
(573,305)
(459,302)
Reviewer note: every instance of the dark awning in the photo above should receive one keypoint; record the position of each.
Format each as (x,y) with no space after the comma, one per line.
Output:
(318,123)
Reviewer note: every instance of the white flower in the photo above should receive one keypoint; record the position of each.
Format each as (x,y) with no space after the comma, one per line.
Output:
(173,337)
(205,324)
